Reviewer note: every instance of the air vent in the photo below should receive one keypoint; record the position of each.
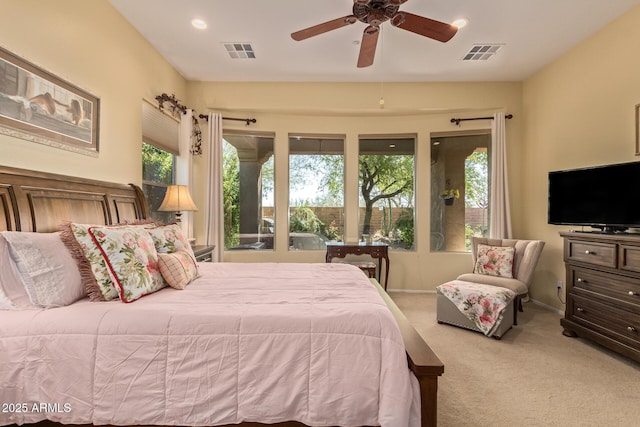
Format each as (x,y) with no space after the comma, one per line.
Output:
(240,50)
(481,52)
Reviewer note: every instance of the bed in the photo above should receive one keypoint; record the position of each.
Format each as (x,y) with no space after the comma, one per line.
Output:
(317,344)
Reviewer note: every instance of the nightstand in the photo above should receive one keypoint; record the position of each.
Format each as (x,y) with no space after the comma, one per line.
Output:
(203,253)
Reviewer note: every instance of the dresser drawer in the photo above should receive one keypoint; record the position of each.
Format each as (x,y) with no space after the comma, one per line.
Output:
(336,251)
(601,254)
(630,258)
(621,325)
(618,289)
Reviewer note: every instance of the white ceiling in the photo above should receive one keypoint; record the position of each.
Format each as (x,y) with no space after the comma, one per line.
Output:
(533,32)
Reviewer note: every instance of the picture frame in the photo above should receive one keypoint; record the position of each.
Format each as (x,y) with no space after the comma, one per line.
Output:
(37,106)
(637,129)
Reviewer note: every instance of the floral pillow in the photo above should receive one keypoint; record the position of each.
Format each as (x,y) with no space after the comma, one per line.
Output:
(92,265)
(131,259)
(495,260)
(178,268)
(169,239)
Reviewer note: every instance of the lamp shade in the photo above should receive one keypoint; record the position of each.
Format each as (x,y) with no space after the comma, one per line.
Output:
(177,199)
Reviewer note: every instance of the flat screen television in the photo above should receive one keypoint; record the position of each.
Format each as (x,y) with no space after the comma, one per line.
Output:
(603,197)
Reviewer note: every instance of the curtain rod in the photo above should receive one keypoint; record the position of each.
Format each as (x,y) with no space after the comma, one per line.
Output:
(247,121)
(457,121)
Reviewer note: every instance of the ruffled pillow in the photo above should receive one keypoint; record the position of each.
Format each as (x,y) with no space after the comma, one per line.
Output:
(93,267)
(495,260)
(131,259)
(178,268)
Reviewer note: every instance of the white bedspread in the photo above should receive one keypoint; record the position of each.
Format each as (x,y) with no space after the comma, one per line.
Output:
(313,343)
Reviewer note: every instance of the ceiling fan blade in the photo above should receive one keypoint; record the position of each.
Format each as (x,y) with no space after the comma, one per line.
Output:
(368,46)
(424,26)
(324,27)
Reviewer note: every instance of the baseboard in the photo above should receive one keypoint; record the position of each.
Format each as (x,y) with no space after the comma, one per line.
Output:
(547,307)
(411,291)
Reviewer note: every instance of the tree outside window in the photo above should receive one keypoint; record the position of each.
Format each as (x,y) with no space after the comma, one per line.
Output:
(386,168)
(158,171)
(316,191)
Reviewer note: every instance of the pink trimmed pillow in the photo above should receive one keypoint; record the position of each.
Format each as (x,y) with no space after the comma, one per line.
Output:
(93,268)
(495,260)
(131,259)
(178,268)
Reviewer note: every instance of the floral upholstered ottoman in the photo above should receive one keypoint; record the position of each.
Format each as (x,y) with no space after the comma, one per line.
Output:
(482,308)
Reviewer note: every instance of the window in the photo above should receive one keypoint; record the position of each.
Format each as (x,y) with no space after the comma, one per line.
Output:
(387,191)
(158,171)
(459,167)
(160,140)
(248,191)
(316,191)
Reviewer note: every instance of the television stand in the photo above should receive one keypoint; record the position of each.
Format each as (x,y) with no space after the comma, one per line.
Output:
(603,290)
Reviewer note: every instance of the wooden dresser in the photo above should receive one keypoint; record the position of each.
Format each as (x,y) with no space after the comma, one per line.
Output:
(603,290)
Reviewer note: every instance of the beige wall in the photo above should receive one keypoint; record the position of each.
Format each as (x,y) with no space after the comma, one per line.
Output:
(578,111)
(89,44)
(353,109)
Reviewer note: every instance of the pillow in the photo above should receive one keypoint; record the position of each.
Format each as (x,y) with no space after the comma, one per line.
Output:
(11,283)
(495,260)
(131,259)
(46,268)
(92,265)
(169,239)
(178,268)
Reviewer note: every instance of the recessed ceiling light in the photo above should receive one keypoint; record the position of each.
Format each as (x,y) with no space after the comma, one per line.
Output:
(460,23)
(199,24)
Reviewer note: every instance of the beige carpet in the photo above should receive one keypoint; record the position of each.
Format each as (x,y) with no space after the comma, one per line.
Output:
(534,376)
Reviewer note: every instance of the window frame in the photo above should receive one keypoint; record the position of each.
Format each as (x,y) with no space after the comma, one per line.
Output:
(315,138)
(391,137)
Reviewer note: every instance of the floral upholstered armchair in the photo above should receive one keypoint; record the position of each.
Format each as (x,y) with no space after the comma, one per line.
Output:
(507,263)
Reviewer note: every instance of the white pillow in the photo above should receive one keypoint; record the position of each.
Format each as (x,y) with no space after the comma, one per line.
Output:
(11,284)
(47,269)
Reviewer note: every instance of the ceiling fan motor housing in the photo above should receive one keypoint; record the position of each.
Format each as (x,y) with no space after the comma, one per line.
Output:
(375,12)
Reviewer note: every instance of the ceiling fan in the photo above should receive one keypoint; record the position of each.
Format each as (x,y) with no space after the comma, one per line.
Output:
(374,13)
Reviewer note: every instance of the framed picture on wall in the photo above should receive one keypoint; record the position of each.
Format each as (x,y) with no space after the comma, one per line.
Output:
(637,129)
(37,106)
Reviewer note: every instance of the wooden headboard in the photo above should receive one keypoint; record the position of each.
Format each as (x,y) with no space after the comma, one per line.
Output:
(39,201)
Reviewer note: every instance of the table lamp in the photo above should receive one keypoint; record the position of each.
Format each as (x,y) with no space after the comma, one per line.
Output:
(177,199)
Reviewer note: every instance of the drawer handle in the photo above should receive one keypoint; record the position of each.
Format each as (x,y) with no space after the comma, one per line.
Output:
(588,252)
(631,329)
(632,293)
(580,309)
(581,280)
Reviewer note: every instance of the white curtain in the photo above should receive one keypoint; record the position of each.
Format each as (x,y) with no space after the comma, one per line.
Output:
(183,166)
(500,216)
(214,221)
